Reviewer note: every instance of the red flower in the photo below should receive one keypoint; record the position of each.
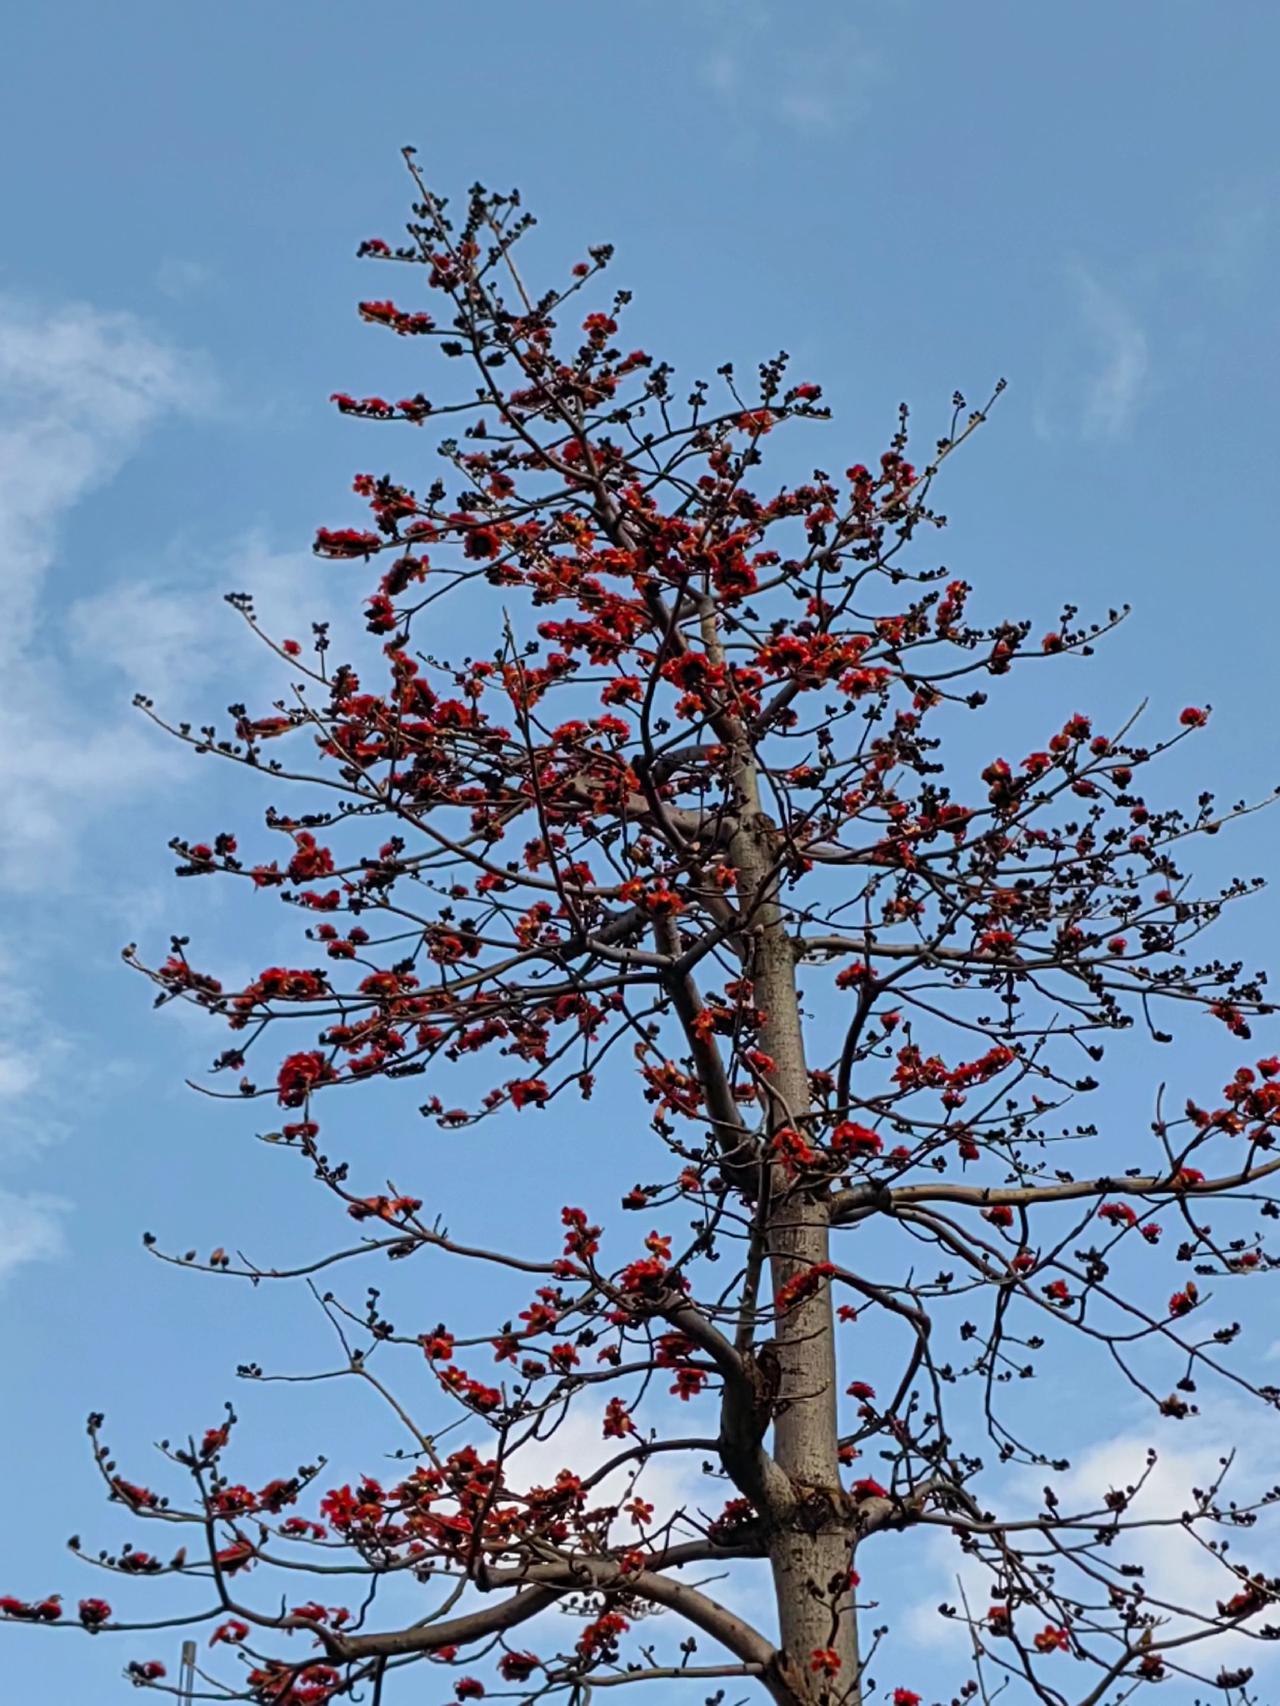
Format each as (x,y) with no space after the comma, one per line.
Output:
(141,1498)
(238,1556)
(617,1420)
(518,1667)
(852,975)
(1052,1639)
(309,861)
(859,1140)
(1118,1213)
(1193,718)
(802,1285)
(662,901)
(825,1661)
(345,541)
(299,1074)
(232,1632)
(329,901)
(999,1621)
(481,543)
(522,1091)
(380,615)
(794,1151)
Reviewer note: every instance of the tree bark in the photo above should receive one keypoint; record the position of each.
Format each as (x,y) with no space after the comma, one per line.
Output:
(809,1553)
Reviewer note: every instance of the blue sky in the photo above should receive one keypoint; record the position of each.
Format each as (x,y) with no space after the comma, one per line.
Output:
(910,197)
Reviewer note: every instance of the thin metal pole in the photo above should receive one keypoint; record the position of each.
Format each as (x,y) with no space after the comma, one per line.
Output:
(187,1673)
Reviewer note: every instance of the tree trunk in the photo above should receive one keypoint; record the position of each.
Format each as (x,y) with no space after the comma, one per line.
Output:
(809,1554)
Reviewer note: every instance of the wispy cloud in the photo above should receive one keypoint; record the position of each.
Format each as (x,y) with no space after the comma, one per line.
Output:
(167,632)
(31,1230)
(767,71)
(1116,382)
(32,1054)
(79,391)
(1099,367)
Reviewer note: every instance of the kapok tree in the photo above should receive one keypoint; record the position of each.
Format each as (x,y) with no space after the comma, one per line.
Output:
(686,826)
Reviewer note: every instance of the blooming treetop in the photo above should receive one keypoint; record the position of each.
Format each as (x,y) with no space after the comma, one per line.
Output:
(687,824)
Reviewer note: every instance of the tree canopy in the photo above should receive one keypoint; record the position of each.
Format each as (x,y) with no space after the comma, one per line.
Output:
(684,842)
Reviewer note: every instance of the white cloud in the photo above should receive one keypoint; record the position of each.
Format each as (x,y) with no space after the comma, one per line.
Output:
(59,769)
(30,1230)
(151,633)
(169,634)
(18,1073)
(1098,368)
(1115,386)
(32,1052)
(79,390)
(1176,1569)
(670,1481)
(767,73)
